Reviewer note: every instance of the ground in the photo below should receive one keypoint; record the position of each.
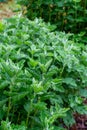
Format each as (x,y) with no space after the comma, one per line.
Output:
(8,9)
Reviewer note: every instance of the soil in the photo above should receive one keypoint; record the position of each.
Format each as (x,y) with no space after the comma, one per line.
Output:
(7,9)
(81,121)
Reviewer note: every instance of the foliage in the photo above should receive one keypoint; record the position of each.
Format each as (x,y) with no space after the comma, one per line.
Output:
(42,76)
(68,15)
(6,125)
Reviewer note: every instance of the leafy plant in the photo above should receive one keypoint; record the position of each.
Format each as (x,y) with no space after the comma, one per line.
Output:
(42,76)
(6,125)
(69,15)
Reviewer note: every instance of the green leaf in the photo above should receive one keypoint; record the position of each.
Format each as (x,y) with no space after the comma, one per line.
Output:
(27,107)
(38,87)
(33,63)
(83,93)
(47,65)
(70,81)
(1,26)
(40,106)
(4,84)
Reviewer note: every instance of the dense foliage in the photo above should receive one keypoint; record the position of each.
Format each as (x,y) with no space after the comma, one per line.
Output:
(68,15)
(42,76)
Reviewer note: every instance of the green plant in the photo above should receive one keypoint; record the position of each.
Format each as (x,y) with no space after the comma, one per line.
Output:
(68,15)
(42,76)
(6,125)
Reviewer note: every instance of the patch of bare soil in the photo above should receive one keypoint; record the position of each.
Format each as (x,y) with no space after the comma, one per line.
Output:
(6,9)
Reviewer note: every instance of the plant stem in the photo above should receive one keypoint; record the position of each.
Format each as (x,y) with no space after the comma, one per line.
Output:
(9,102)
(27,119)
(62,71)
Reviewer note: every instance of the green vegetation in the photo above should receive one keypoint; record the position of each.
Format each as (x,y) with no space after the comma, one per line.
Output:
(43,76)
(43,66)
(67,15)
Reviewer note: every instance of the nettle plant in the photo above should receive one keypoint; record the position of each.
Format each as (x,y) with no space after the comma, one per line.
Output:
(43,76)
(68,15)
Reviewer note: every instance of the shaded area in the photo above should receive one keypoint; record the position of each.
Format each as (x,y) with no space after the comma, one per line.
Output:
(81,122)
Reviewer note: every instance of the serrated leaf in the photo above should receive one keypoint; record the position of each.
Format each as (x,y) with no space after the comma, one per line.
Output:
(70,81)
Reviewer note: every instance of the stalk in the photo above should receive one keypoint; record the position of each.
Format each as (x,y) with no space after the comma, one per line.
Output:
(12,114)
(62,71)
(75,18)
(9,102)
(49,13)
(9,107)
(32,124)
(28,115)
(18,117)
(27,119)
